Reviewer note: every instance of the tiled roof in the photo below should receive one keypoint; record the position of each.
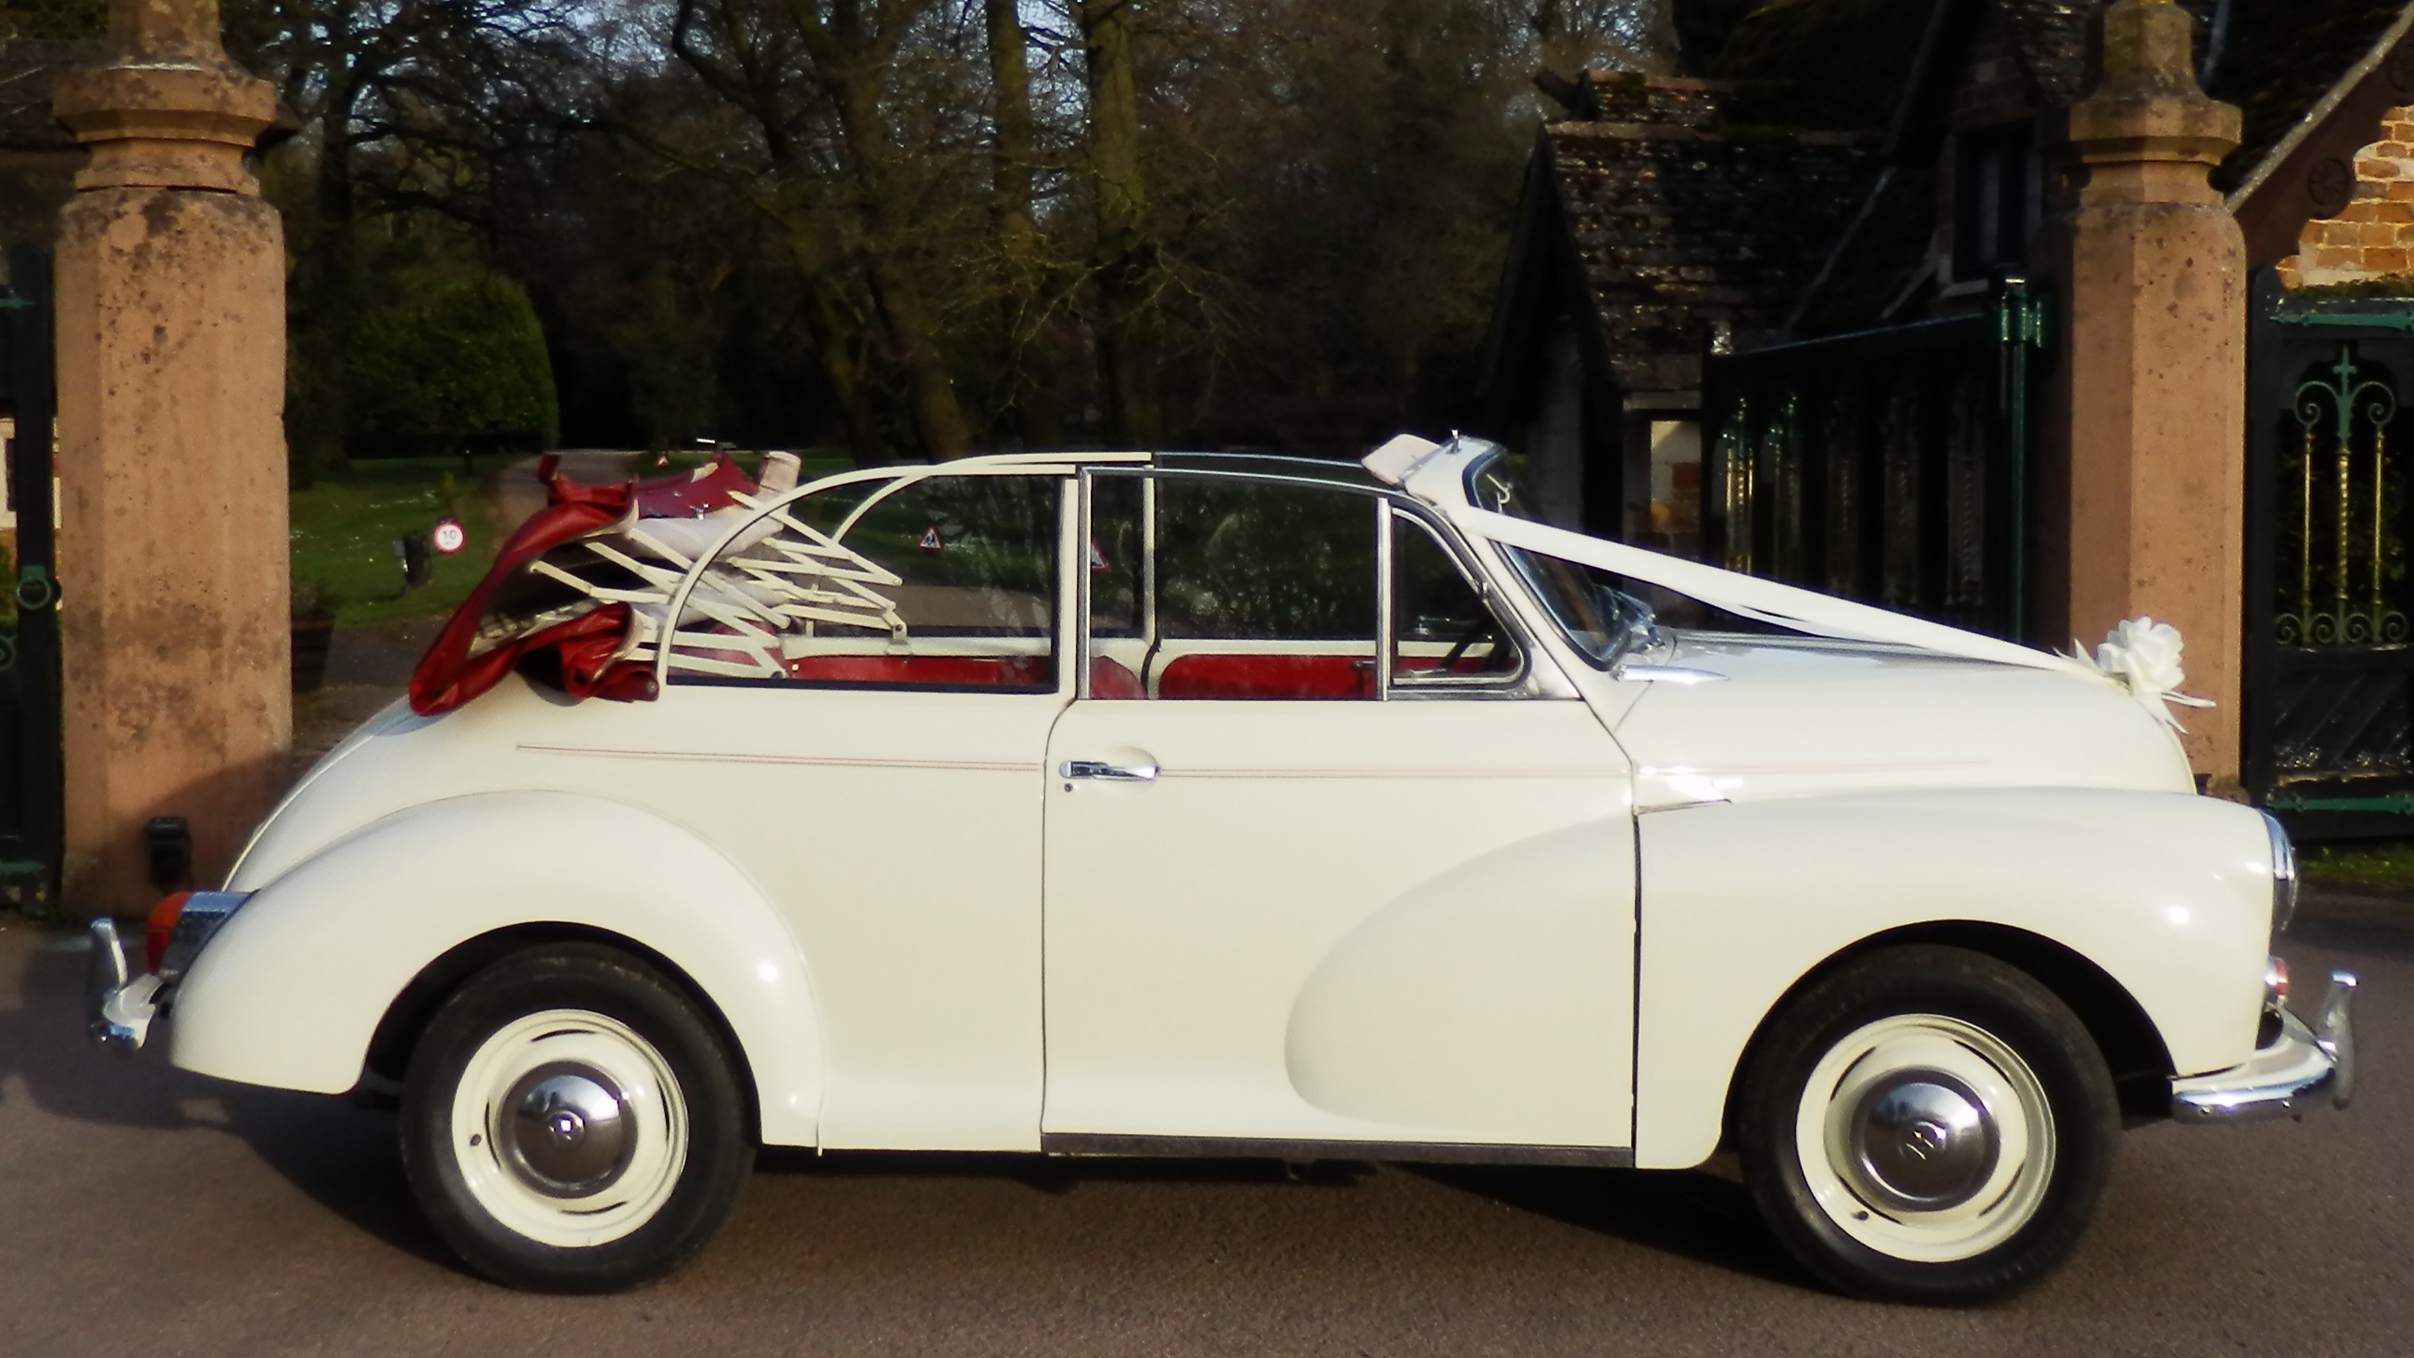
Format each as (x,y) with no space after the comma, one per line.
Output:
(2282,57)
(2052,37)
(1678,227)
(1832,64)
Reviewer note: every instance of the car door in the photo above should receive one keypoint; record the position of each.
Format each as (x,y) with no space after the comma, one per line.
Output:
(1325,860)
(858,705)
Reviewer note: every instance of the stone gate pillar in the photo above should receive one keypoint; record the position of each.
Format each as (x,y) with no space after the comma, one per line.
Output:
(171,372)
(2143,501)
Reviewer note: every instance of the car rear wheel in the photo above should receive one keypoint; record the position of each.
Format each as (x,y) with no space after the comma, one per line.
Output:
(571,1122)
(1928,1125)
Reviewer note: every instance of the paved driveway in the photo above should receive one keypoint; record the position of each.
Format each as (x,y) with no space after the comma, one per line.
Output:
(145,1211)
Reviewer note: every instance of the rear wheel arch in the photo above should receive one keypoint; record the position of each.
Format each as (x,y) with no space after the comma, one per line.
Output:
(406,1018)
(2130,1043)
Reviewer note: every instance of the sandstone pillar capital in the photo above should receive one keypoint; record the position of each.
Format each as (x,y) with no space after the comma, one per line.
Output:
(2146,133)
(167,109)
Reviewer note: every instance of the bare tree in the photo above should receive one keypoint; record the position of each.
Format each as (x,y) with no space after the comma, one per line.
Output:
(819,82)
(1029,386)
(408,77)
(1125,258)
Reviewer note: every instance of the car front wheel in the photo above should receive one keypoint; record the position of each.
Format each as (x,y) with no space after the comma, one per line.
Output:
(1929,1125)
(571,1122)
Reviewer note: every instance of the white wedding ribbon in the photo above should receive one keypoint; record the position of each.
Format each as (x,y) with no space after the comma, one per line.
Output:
(2140,654)
(1767,601)
(2144,654)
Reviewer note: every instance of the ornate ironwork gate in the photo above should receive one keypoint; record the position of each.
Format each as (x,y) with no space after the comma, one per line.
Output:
(2329,668)
(30,820)
(1890,465)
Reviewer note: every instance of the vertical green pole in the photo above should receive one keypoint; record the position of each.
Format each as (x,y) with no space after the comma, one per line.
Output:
(2019,327)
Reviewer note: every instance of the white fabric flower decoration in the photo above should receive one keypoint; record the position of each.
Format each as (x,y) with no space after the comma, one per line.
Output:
(2144,654)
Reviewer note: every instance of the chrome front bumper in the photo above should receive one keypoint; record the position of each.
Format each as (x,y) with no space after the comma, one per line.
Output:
(2302,1070)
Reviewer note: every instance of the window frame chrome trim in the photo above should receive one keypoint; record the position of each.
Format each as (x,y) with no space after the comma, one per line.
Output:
(1538,676)
(1385,589)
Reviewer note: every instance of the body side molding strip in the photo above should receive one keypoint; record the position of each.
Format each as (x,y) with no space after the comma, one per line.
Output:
(1267,1148)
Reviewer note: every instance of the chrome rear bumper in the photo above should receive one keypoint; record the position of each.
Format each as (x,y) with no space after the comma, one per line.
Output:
(118,1008)
(2302,1070)
(119,1005)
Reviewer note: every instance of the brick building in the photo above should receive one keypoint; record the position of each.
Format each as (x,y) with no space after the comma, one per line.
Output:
(2373,236)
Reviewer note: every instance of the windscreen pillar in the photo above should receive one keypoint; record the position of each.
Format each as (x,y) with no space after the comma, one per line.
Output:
(2142,501)
(174,633)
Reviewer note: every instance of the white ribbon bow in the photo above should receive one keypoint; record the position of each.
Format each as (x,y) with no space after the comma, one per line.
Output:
(2144,654)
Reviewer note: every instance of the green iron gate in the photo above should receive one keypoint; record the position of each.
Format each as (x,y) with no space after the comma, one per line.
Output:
(29,628)
(1890,465)
(2329,667)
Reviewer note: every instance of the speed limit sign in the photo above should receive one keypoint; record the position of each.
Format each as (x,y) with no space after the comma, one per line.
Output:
(449,536)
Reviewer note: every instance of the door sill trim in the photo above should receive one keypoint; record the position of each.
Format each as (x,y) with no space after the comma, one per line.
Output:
(1268,1148)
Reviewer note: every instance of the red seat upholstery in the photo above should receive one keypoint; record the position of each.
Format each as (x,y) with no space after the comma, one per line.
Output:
(953,671)
(1267,677)
(1111,678)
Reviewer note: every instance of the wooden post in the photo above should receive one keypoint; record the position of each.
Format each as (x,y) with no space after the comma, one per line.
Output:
(172,542)
(2143,483)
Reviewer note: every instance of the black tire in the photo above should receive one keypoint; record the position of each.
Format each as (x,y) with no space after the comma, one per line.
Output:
(662,1159)
(1926,1058)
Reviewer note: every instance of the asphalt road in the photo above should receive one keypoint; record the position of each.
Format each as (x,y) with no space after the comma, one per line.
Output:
(146,1211)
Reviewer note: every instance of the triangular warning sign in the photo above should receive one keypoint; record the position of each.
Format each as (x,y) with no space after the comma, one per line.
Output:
(1097,558)
(931,540)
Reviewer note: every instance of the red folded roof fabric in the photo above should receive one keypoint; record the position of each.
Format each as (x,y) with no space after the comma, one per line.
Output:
(575,654)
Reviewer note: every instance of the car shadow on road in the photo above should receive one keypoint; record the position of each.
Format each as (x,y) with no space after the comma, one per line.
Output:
(1693,1214)
(1697,1215)
(342,1157)
(1053,1174)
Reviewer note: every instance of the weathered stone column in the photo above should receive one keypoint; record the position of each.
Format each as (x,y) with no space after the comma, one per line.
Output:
(2143,501)
(171,376)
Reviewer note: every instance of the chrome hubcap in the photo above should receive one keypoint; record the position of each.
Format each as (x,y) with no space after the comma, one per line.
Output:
(569,1130)
(1925,1137)
(1921,1141)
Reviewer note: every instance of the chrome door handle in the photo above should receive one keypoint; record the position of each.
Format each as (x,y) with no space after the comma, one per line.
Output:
(1115,773)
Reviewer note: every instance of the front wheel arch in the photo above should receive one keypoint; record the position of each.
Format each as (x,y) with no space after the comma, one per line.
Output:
(2131,1045)
(406,1018)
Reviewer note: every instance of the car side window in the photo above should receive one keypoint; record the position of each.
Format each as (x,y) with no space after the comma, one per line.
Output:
(1205,587)
(1444,635)
(941,582)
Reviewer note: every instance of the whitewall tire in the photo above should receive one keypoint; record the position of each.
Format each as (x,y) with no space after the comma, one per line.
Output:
(1928,1124)
(571,1122)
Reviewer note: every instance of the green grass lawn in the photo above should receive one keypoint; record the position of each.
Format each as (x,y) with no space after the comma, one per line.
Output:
(2366,862)
(345,526)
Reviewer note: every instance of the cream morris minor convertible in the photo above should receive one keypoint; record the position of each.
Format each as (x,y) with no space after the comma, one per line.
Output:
(1130,804)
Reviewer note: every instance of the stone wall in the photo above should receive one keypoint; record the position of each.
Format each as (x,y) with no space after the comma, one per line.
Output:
(2373,236)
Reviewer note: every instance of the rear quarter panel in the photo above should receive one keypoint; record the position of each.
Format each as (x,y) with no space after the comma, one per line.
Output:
(291,990)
